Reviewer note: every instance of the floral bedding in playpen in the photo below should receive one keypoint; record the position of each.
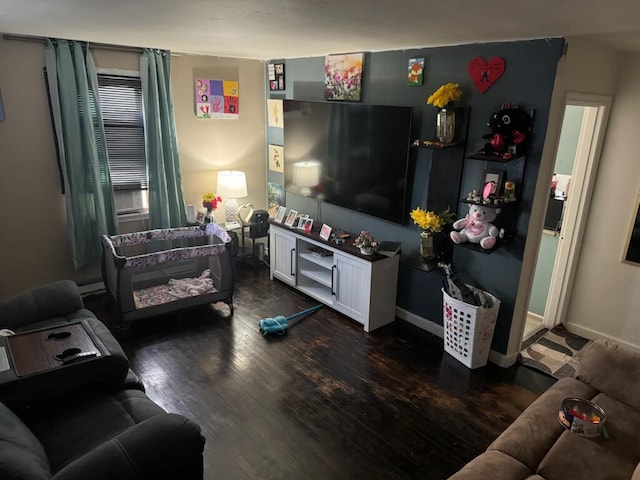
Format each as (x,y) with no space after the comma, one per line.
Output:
(160,271)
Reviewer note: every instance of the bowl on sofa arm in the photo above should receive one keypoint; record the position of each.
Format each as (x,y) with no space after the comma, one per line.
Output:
(536,446)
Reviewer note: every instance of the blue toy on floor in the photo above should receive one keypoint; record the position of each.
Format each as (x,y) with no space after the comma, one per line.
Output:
(280,323)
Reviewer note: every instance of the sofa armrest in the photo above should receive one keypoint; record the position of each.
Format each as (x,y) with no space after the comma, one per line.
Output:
(55,299)
(612,369)
(164,446)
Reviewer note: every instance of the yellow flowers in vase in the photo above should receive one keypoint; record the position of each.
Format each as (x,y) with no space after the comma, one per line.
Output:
(430,222)
(444,96)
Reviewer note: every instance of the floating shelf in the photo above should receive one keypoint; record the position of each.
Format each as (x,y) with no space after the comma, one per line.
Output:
(435,145)
(494,158)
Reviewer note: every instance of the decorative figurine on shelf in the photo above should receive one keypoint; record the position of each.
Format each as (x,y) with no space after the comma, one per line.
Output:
(509,191)
(510,129)
(476,227)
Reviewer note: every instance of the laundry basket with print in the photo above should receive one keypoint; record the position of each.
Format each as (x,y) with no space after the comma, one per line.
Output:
(468,329)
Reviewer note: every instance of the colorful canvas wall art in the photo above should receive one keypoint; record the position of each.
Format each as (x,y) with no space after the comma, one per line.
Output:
(275,197)
(217,99)
(343,77)
(415,74)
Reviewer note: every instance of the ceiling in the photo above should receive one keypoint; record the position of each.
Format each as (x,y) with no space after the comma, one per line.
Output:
(276,29)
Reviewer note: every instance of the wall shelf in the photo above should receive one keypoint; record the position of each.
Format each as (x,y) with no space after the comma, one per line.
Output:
(494,158)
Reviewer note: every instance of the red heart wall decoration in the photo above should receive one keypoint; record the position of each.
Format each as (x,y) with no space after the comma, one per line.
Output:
(483,73)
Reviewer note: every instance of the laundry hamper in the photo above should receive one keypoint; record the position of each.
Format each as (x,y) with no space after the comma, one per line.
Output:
(468,329)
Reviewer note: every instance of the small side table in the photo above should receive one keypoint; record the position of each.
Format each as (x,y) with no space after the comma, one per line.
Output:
(254,231)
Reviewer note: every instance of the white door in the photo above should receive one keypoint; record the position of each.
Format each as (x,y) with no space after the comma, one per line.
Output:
(589,145)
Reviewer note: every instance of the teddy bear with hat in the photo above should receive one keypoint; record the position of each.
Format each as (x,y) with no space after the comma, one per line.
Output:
(476,226)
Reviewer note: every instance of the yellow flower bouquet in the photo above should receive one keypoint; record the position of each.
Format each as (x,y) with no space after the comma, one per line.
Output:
(445,95)
(430,221)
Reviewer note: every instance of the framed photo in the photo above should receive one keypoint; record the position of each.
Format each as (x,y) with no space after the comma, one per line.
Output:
(280,214)
(200,216)
(276,76)
(492,183)
(325,232)
(301,220)
(305,224)
(291,218)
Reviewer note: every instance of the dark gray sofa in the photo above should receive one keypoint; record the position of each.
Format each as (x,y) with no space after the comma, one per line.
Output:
(86,424)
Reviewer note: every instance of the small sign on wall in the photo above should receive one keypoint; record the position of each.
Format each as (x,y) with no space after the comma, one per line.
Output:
(217,99)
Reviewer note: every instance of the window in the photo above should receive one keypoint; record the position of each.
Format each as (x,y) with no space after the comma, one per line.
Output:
(121,107)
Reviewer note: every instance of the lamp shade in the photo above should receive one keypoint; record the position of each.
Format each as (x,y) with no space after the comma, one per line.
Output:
(306,174)
(232,184)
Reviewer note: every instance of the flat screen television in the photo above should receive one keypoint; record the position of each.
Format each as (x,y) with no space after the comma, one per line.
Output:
(352,155)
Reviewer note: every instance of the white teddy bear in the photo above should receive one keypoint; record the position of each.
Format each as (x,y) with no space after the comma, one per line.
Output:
(476,227)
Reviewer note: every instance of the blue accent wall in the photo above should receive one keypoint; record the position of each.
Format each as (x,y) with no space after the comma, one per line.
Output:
(527,82)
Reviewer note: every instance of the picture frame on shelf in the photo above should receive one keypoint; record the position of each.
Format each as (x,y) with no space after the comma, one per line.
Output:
(302,222)
(280,214)
(200,216)
(291,218)
(325,232)
(492,182)
(306,224)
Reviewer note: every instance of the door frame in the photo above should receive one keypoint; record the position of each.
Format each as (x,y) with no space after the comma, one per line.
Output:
(590,140)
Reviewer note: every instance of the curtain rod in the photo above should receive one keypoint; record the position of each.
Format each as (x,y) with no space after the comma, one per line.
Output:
(104,46)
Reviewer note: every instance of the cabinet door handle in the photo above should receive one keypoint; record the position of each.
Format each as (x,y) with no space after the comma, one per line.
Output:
(293,254)
(333,292)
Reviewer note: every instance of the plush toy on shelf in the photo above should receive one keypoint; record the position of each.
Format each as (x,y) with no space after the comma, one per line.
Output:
(476,227)
(510,129)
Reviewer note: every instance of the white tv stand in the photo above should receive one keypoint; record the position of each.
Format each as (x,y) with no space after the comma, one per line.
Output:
(359,286)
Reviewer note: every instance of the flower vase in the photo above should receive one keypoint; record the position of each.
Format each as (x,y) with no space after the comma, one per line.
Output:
(427,245)
(366,251)
(446,125)
(210,217)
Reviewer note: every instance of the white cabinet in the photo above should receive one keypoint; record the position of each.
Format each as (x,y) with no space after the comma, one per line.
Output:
(283,255)
(364,289)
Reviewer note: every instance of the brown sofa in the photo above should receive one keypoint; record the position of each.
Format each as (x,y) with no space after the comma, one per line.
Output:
(537,447)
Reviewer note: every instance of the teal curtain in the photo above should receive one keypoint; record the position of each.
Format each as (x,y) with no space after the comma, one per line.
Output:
(73,90)
(166,201)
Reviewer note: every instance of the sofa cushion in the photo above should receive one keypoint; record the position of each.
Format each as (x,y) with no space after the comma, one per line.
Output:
(71,429)
(534,432)
(55,299)
(21,454)
(494,465)
(576,457)
(612,369)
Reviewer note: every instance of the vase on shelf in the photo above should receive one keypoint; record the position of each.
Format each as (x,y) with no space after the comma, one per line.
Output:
(427,245)
(446,124)
(367,250)
(210,217)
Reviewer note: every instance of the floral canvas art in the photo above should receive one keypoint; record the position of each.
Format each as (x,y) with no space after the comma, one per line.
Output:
(343,77)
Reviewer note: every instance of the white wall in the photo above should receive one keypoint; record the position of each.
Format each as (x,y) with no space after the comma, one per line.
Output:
(586,68)
(605,300)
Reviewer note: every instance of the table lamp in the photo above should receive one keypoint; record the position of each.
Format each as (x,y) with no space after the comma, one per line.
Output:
(306,175)
(232,184)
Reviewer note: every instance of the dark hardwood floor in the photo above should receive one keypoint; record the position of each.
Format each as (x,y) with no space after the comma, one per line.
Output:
(326,400)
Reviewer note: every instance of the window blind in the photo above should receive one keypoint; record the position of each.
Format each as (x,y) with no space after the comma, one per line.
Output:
(121,106)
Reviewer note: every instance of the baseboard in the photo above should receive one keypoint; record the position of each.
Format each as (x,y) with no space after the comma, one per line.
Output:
(420,322)
(498,358)
(594,335)
(91,288)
